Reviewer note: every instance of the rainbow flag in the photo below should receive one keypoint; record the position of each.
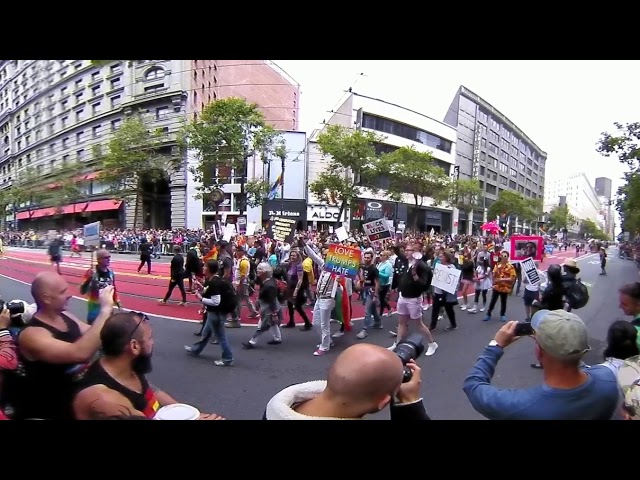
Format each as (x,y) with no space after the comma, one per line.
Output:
(342,310)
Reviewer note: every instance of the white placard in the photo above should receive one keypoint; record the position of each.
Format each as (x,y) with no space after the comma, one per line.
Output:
(529,268)
(446,278)
(91,234)
(251,228)
(342,234)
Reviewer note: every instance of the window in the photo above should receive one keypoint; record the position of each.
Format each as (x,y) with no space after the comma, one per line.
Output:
(79,97)
(153,88)
(95,91)
(115,124)
(79,115)
(154,74)
(65,142)
(162,112)
(385,125)
(117,68)
(79,83)
(95,76)
(96,108)
(79,137)
(96,131)
(116,101)
(116,83)
(491,189)
(80,154)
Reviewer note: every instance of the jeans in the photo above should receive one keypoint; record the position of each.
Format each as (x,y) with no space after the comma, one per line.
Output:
(371,315)
(214,326)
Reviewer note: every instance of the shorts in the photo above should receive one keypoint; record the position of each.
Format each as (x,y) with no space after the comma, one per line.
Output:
(56,259)
(411,307)
(529,296)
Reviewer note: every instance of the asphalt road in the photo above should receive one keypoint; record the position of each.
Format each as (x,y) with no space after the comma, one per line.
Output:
(242,391)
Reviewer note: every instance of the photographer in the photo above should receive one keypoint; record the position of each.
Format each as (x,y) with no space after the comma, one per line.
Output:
(568,392)
(363,380)
(54,350)
(8,353)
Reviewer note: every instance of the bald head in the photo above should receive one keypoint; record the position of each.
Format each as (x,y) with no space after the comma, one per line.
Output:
(45,283)
(102,253)
(364,372)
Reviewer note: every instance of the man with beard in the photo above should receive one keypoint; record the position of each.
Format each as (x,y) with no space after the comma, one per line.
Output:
(116,384)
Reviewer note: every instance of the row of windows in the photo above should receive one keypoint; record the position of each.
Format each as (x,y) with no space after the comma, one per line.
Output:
(391,127)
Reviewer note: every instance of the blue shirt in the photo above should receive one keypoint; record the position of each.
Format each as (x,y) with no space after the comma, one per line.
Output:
(596,399)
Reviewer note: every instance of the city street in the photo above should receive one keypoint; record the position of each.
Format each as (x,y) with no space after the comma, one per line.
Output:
(241,392)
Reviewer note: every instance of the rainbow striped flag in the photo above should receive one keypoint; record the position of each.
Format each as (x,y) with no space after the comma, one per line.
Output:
(342,310)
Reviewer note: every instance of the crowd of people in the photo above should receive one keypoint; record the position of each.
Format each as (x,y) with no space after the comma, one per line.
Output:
(97,369)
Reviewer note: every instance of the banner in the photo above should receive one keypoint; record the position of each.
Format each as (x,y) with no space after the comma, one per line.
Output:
(284,218)
(377,230)
(343,260)
(523,247)
(531,271)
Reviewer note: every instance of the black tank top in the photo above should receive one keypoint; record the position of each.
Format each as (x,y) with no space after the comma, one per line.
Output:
(145,402)
(45,390)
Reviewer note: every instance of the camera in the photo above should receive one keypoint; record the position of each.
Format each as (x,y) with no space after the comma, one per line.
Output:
(19,311)
(409,349)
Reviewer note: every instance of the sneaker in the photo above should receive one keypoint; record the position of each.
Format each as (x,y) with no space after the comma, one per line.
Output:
(223,363)
(463,307)
(472,310)
(392,347)
(487,318)
(338,334)
(482,309)
(393,333)
(431,349)
(362,334)
(274,342)
(248,345)
(503,319)
(450,328)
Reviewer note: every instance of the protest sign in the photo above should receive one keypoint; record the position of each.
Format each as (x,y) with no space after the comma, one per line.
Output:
(531,271)
(523,247)
(446,278)
(343,260)
(377,230)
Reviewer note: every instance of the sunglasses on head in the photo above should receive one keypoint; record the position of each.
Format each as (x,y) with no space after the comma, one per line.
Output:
(145,318)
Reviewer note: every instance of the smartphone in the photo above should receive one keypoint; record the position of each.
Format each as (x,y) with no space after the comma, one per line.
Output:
(524,329)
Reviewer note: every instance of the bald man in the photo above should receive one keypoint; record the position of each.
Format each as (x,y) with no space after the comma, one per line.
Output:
(54,349)
(363,380)
(95,279)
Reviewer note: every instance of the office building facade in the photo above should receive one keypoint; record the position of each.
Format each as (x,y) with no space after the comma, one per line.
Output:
(493,150)
(400,127)
(56,111)
(579,195)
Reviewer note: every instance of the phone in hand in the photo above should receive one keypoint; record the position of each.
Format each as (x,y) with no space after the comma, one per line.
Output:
(524,329)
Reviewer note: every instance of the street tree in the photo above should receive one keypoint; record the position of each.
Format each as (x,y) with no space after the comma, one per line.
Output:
(138,155)
(351,155)
(223,138)
(624,144)
(589,229)
(560,218)
(463,195)
(414,173)
(514,204)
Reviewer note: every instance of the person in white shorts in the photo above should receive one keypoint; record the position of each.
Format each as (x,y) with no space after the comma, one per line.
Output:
(411,286)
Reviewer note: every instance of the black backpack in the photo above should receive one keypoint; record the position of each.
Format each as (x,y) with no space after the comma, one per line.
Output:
(253,270)
(577,294)
(229,300)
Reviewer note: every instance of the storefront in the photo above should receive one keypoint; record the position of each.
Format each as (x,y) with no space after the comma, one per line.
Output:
(368,210)
(321,217)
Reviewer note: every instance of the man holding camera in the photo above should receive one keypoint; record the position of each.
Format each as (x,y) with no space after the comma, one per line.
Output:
(363,380)
(55,348)
(569,392)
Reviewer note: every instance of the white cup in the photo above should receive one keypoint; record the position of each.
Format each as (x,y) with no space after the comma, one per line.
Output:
(177,411)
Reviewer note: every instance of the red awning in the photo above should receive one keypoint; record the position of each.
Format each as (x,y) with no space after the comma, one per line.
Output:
(96,206)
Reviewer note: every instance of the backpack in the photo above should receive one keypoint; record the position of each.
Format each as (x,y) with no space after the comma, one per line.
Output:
(229,300)
(253,271)
(283,290)
(577,294)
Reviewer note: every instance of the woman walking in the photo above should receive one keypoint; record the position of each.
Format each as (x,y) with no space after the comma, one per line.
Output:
(482,280)
(467,275)
(298,282)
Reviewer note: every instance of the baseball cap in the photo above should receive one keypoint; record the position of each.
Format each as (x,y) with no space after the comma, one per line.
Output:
(560,333)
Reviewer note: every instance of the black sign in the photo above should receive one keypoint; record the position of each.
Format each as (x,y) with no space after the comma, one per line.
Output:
(284,218)
(530,270)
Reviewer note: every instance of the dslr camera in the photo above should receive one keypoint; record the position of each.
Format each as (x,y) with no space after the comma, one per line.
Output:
(409,349)
(19,311)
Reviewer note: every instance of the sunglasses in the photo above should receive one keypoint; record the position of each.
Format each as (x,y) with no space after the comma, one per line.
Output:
(145,318)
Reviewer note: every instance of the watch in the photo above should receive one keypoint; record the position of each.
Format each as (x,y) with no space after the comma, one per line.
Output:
(493,343)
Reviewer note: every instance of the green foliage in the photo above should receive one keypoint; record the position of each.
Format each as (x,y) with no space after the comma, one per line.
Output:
(350,152)
(227,133)
(625,144)
(415,173)
(256,191)
(135,155)
(463,193)
(559,218)
(514,204)
(591,230)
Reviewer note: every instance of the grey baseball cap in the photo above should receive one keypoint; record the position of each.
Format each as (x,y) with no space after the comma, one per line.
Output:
(561,334)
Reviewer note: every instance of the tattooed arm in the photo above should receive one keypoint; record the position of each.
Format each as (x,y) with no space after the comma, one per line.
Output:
(163,397)
(99,402)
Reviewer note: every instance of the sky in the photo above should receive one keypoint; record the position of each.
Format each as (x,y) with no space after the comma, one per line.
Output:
(562,105)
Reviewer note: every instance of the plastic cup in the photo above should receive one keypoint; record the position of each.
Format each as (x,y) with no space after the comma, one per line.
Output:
(177,411)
